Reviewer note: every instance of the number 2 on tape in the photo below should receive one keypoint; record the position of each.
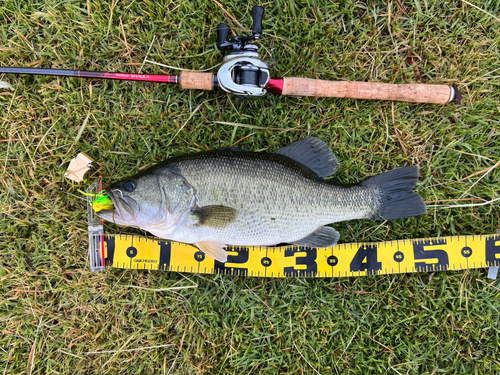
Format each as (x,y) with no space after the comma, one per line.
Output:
(357,259)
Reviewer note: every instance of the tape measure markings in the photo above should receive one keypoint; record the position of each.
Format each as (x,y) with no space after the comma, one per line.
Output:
(353,259)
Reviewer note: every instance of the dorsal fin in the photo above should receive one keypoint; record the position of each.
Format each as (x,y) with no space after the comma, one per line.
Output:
(314,154)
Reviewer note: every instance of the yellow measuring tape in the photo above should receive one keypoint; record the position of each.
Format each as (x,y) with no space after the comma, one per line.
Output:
(353,259)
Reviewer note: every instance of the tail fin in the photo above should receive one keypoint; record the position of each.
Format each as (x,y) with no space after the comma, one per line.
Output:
(397,200)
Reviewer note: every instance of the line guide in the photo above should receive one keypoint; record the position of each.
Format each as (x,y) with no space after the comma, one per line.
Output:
(352,259)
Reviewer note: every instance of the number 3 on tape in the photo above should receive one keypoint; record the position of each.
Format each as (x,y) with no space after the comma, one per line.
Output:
(357,259)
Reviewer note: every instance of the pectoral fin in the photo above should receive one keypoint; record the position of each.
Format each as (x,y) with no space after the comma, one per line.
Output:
(214,250)
(214,216)
(321,237)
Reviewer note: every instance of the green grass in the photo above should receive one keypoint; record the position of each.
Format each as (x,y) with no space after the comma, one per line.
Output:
(54,312)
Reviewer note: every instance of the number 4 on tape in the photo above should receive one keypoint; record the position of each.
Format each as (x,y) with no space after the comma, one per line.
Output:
(356,259)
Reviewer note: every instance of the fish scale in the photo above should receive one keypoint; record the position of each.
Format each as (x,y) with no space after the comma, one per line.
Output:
(269,189)
(234,197)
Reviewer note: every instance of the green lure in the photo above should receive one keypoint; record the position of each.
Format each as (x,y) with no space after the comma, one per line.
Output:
(100,201)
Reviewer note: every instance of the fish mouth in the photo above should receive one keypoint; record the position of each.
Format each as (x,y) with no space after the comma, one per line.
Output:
(125,208)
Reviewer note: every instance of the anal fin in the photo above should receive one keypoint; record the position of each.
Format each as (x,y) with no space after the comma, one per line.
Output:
(214,250)
(321,237)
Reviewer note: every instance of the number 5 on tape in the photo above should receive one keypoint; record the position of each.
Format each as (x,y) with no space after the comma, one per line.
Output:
(356,259)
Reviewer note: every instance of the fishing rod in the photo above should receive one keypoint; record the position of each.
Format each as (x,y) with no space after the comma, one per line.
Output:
(244,74)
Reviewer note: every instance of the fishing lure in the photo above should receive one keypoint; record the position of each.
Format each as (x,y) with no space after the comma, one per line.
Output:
(99,201)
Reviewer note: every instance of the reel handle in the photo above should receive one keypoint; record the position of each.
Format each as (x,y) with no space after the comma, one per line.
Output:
(257,16)
(222,34)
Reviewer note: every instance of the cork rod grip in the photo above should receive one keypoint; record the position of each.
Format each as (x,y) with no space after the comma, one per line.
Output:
(413,93)
(196,81)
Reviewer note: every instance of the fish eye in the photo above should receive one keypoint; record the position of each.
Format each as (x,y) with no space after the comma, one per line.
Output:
(129,186)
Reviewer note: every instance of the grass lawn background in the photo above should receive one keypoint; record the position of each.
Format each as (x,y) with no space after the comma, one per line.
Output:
(54,313)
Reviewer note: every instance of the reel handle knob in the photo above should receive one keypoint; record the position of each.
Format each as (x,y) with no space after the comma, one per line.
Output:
(257,16)
(222,34)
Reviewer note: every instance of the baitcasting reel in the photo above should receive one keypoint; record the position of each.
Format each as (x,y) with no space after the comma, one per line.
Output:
(243,73)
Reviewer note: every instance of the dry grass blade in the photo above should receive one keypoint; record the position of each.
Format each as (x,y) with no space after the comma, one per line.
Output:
(71,354)
(396,131)
(41,140)
(115,353)
(253,126)
(485,171)
(162,289)
(230,16)
(10,133)
(355,332)
(31,357)
(82,128)
(147,54)
(185,123)
(129,350)
(8,360)
(240,125)
(469,205)
(481,10)
(467,153)
(212,68)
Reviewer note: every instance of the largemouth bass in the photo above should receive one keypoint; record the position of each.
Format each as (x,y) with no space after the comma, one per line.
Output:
(235,197)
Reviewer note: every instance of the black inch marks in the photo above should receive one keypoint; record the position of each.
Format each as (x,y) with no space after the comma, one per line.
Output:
(110,245)
(431,255)
(165,255)
(493,251)
(233,262)
(305,262)
(366,260)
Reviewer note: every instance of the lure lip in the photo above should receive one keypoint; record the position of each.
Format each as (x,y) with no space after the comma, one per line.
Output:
(113,213)
(102,203)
